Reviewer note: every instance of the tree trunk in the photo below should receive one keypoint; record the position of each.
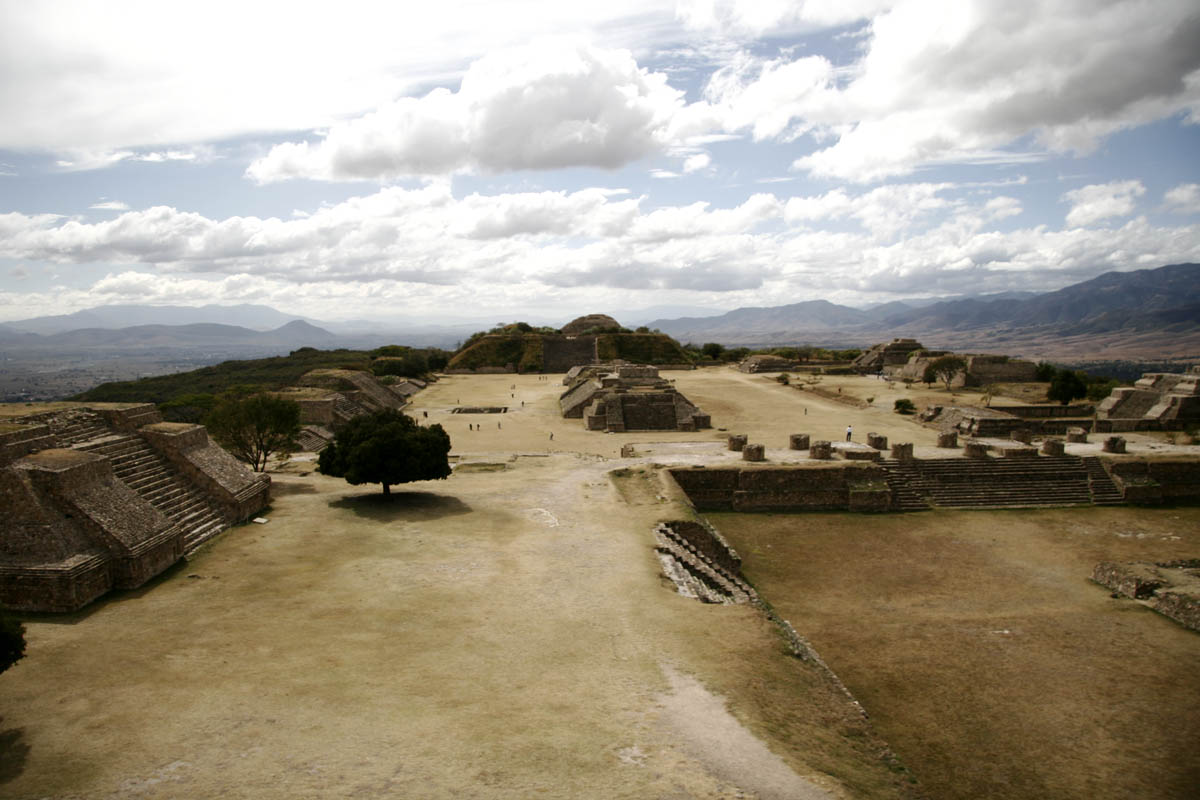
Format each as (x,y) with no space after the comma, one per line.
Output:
(386,490)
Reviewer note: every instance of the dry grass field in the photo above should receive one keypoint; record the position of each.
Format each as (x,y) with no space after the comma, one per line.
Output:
(506,633)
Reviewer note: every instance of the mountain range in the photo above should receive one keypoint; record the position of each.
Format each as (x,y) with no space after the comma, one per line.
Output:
(1149,313)
(1146,313)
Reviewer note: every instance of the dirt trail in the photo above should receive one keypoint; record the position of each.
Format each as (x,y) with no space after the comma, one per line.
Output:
(500,634)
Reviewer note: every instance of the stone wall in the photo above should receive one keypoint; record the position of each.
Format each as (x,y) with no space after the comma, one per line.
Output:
(816,487)
(560,353)
(1156,480)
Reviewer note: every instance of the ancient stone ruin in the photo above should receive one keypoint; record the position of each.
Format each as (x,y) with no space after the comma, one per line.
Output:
(1157,401)
(766,363)
(329,398)
(1172,588)
(105,496)
(627,397)
(886,354)
(701,563)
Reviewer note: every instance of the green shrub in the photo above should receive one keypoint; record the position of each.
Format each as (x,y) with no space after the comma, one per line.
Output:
(904,406)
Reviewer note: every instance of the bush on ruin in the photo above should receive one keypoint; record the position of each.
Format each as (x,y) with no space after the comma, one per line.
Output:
(1065,387)
(386,447)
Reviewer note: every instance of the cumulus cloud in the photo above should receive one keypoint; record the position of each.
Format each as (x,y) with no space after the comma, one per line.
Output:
(431,251)
(1183,199)
(965,82)
(552,104)
(1101,201)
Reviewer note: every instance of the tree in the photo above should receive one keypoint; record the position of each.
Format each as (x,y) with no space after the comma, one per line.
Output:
(12,641)
(1066,386)
(252,428)
(904,406)
(947,368)
(386,447)
(712,350)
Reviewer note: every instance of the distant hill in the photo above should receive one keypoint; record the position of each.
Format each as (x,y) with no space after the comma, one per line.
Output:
(1151,310)
(199,336)
(254,317)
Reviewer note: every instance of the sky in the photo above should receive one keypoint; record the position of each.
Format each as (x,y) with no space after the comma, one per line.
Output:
(441,162)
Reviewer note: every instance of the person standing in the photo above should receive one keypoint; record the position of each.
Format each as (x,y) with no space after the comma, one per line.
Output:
(849,432)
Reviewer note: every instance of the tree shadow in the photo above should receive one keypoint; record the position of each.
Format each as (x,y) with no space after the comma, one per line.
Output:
(13,752)
(424,506)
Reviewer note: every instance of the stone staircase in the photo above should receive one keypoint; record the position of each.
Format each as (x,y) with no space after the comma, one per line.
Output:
(904,496)
(1104,491)
(153,477)
(994,482)
(310,441)
(345,409)
(696,574)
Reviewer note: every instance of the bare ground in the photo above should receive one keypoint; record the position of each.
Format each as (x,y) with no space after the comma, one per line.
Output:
(504,633)
(985,655)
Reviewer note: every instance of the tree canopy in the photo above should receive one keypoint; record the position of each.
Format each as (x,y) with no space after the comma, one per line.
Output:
(252,428)
(946,369)
(386,447)
(1066,386)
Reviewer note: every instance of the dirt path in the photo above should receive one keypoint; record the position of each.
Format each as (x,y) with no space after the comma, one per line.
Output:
(500,634)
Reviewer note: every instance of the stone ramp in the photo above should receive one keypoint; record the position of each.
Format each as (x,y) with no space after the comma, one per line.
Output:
(992,483)
(136,464)
(698,568)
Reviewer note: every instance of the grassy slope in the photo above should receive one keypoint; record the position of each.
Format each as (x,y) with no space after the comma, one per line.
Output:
(265,373)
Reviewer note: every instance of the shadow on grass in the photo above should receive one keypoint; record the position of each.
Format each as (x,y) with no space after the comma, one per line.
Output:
(402,506)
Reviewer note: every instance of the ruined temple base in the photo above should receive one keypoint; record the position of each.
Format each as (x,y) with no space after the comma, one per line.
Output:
(1172,588)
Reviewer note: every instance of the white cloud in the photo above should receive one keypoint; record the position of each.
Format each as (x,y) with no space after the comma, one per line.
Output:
(83,76)
(555,103)
(1183,199)
(696,162)
(1103,200)
(967,81)
(430,251)
(110,205)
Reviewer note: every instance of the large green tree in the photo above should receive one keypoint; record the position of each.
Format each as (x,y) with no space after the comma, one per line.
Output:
(386,447)
(252,428)
(946,368)
(1066,386)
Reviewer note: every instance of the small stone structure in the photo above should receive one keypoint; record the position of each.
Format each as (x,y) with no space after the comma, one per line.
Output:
(1157,401)
(766,363)
(947,439)
(1053,447)
(902,451)
(753,452)
(798,441)
(878,441)
(973,449)
(1077,436)
(701,563)
(820,449)
(887,354)
(1022,435)
(1114,444)
(107,496)
(736,442)
(629,398)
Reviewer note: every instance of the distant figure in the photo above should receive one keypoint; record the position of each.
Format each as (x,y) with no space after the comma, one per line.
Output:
(497,425)
(426,414)
(849,432)
(552,437)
